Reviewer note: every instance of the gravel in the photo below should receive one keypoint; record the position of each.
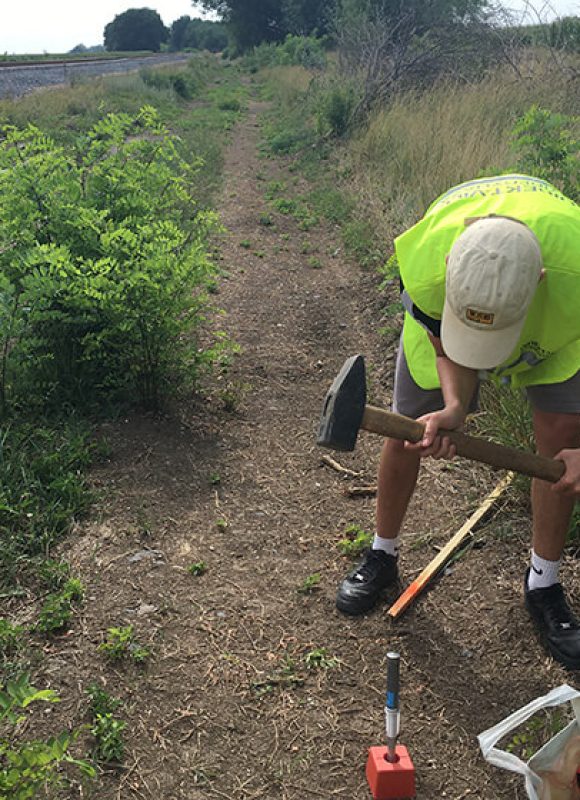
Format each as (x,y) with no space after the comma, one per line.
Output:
(19,80)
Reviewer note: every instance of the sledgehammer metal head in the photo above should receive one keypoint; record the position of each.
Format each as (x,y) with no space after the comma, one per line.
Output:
(344,406)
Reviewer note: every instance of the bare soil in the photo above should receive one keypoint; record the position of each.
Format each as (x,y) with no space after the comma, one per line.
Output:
(226,706)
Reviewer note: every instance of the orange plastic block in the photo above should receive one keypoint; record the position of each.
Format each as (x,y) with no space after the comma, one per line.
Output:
(390,781)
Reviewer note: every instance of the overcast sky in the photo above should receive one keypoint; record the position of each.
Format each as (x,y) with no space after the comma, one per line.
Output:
(56,26)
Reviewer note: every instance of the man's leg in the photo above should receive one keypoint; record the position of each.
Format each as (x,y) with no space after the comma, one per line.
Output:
(398,470)
(556,426)
(551,511)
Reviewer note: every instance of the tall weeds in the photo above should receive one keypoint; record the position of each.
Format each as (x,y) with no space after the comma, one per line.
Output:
(425,142)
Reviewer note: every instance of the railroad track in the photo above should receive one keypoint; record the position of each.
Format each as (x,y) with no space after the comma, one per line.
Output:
(22,77)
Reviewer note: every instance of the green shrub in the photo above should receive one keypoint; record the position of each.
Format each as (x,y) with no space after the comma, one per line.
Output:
(303,51)
(103,266)
(183,83)
(548,146)
(335,111)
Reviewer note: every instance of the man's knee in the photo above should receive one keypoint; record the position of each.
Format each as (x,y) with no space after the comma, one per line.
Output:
(555,432)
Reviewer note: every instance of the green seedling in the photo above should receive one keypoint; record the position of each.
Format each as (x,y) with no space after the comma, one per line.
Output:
(121,644)
(52,573)
(101,702)
(58,608)
(215,479)
(309,584)
(108,733)
(197,568)
(246,244)
(274,188)
(10,637)
(285,205)
(222,524)
(266,220)
(30,768)
(356,540)
(320,659)
(314,263)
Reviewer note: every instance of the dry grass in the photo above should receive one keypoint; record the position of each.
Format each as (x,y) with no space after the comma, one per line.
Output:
(290,83)
(425,142)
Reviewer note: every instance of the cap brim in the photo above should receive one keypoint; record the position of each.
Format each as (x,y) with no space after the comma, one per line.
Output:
(477,349)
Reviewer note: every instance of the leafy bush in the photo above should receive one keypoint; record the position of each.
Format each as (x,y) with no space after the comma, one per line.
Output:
(304,51)
(548,146)
(335,110)
(102,266)
(182,82)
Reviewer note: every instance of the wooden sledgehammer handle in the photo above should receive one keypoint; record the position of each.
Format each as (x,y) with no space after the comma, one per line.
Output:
(396,426)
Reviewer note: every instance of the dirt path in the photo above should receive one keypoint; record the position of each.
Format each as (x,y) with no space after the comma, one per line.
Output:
(226,706)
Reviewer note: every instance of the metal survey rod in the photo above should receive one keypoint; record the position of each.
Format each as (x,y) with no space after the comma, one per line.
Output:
(392,714)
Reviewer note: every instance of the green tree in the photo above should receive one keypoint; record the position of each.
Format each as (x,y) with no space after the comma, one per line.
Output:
(136,29)
(177,33)
(305,18)
(251,22)
(202,34)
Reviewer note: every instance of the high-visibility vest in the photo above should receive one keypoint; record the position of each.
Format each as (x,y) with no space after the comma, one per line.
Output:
(548,350)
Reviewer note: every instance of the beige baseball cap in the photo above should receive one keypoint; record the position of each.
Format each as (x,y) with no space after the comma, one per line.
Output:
(493,271)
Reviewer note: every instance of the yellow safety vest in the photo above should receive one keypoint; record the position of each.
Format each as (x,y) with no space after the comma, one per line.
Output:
(548,350)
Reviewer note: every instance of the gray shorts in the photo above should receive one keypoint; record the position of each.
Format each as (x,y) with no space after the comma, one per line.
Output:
(412,401)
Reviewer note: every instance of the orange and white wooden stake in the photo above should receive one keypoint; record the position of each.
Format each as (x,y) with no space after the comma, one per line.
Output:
(417,586)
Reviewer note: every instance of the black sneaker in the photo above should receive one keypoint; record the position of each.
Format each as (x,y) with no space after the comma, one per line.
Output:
(558,628)
(362,587)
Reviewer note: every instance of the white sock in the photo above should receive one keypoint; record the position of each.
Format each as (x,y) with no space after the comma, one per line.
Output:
(543,573)
(388,546)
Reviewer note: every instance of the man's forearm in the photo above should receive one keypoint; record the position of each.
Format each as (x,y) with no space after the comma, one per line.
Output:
(458,384)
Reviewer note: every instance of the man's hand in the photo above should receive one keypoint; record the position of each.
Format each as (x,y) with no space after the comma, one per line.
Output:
(432,444)
(569,483)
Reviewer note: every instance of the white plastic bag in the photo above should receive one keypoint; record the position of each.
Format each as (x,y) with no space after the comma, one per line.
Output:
(547,755)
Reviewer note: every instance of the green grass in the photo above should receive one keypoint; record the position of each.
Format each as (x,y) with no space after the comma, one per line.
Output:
(42,490)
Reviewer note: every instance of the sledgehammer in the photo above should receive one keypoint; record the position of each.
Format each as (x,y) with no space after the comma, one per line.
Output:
(345,412)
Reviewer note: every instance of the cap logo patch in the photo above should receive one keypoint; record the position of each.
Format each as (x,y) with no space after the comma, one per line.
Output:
(481,317)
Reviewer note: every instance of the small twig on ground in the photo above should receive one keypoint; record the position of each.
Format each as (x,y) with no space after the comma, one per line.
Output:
(330,462)
(360,491)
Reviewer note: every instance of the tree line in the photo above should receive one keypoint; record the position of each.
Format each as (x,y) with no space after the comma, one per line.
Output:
(360,24)
(143,29)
